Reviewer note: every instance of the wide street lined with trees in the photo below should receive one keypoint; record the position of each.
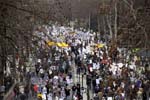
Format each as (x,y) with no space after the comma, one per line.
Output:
(74,50)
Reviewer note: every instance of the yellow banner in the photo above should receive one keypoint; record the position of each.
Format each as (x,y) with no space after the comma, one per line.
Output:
(51,43)
(59,44)
(100,45)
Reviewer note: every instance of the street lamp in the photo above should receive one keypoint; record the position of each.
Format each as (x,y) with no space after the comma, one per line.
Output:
(82,88)
(88,95)
(82,79)
(88,83)
(79,74)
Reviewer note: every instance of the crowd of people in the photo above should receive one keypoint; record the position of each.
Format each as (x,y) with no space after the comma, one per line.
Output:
(111,73)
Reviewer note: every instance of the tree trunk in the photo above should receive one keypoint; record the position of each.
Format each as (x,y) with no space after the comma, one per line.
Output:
(115,24)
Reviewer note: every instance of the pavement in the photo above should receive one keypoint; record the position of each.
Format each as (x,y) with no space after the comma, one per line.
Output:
(78,79)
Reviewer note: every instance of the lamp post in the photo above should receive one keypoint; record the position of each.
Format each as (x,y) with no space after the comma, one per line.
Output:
(79,75)
(82,88)
(82,79)
(88,95)
(88,83)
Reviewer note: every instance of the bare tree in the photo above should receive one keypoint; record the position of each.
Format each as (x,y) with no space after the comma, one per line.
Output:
(126,21)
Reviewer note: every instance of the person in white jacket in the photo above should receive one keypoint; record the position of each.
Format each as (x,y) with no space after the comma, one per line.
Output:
(49,96)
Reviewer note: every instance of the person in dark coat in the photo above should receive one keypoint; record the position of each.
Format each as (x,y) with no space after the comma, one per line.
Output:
(73,89)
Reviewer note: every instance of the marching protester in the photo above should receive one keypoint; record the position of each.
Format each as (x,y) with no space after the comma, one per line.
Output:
(108,75)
